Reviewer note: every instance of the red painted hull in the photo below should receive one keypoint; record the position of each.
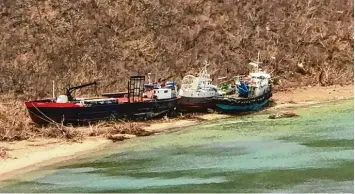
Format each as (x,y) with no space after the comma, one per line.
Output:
(46,111)
(187,103)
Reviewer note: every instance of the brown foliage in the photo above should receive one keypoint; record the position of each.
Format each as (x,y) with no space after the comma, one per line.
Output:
(117,131)
(15,124)
(73,42)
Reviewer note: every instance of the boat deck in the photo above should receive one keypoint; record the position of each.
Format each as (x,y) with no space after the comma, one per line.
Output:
(232,96)
(108,100)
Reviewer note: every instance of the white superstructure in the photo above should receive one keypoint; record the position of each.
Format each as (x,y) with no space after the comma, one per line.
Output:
(257,82)
(198,87)
(159,91)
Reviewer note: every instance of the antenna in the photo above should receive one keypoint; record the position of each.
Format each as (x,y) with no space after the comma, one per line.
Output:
(203,73)
(149,80)
(206,63)
(256,64)
(258,56)
(53,86)
(155,73)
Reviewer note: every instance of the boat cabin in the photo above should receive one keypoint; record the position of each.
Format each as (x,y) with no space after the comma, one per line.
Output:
(159,92)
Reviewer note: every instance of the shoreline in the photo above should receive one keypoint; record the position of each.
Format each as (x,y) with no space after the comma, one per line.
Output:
(29,155)
(45,155)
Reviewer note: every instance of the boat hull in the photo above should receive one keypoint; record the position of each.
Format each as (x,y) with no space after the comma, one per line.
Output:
(50,112)
(195,104)
(234,105)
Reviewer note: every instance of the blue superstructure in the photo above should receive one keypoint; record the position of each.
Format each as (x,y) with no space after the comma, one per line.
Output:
(243,89)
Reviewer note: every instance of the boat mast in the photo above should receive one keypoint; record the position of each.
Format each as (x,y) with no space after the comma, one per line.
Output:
(149,79)
(204,76)
(255,64)
(53,87)
(203,73)
(258,61)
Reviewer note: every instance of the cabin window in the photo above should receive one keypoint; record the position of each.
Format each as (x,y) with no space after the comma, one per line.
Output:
(165,91)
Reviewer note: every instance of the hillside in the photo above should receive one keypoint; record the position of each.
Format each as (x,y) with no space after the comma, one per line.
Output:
(74,42)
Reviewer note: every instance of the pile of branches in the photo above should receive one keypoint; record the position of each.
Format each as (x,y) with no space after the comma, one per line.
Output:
(15,124)
(112,128)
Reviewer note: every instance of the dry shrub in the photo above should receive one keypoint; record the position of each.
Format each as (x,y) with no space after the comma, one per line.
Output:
(60,131)
(108,129)
(128,128)
(99,129)
(191,116)
(15,124)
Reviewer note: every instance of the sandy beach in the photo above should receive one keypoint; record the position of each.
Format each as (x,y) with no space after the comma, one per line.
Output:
(30,154)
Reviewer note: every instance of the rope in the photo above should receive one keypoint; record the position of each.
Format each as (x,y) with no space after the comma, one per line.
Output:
(44,115)
(39,116)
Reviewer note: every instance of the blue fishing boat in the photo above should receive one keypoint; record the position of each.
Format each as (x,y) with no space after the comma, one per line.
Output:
(246,93)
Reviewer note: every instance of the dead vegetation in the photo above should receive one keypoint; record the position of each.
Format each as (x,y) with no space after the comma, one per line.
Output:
(108,129)
(302,42)
(191,116)
(15,125)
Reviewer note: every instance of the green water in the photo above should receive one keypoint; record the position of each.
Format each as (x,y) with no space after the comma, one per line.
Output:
(310,153)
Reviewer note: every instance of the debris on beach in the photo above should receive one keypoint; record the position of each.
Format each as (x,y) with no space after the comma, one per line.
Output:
(192,116)
(120,137)
(3,153)
(120,132)
(283,115)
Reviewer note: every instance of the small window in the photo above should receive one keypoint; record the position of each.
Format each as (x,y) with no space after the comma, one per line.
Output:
(165,91)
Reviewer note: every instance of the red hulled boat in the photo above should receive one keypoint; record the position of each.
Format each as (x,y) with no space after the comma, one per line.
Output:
(142,101)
